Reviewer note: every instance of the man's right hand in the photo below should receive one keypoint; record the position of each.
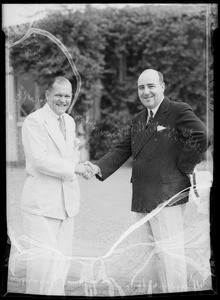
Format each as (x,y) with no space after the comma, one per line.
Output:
(94,170)
(84,170)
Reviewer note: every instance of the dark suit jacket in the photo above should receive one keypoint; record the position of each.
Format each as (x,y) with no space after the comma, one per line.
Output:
(162,159)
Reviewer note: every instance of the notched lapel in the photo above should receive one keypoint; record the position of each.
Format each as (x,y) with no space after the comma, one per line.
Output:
(146,134)
(70,133)
(145,137)
(138,130)
(55,134)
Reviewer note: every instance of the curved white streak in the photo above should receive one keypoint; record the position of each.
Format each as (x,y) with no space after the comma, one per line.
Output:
(142,221)
(68,55)
(64,50)
(28,33)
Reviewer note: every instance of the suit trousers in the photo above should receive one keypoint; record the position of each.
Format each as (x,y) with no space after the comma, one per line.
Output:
(167,230)
(49,241)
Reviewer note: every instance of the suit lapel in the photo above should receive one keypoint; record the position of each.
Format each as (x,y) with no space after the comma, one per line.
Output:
(146,134)
(139,128)
(69,134)
(53,130)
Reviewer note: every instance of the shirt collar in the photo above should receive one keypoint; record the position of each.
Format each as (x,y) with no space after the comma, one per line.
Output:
(52,113)
(155,109)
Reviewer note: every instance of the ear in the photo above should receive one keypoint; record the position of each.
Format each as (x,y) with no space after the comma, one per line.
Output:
(163,86)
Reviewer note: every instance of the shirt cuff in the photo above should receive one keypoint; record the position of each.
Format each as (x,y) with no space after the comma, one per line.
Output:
(99,172)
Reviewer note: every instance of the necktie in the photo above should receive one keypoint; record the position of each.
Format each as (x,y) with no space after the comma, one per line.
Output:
(62,126)
(151,117)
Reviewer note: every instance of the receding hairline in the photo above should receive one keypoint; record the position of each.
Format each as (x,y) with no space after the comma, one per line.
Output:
(59,80)
(160,75)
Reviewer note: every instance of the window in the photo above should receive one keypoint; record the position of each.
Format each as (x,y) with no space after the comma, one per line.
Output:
(27,97)
(127,66)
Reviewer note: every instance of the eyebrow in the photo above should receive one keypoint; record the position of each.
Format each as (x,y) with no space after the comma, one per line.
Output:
(144,84)
(65,94)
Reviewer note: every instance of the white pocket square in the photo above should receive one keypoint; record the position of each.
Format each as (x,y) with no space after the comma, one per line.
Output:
(159,128)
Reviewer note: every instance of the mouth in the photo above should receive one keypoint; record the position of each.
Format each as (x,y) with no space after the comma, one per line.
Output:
(62,105)
(147,98)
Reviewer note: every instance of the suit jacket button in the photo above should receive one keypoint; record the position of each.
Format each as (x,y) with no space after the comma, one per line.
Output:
(155,140)
(133,143)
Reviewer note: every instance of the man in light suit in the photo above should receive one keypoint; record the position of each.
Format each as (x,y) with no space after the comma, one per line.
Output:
(51,194)
(166,141)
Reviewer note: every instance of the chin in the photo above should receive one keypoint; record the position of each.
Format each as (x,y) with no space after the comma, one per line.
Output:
(61,110)
(149,106)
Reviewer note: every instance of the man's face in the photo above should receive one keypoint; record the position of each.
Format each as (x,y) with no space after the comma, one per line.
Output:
(59,97)
(150,90)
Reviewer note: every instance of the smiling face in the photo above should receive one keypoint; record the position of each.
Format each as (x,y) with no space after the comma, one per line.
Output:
(59,97)
(150,89)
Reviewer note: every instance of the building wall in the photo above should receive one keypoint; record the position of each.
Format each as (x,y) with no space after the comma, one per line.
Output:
(21,154)
(22,91)
(11,116)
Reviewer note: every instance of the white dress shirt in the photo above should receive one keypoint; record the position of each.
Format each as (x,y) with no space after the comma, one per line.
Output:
(154,110)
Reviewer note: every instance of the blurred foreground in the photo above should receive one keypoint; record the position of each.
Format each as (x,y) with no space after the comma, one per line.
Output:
(105,214)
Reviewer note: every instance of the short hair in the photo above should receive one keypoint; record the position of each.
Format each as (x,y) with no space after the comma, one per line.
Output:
(58,79)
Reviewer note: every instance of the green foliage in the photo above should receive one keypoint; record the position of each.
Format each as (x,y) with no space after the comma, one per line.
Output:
(169,39)
(111,47)
(107,133)
(43,59)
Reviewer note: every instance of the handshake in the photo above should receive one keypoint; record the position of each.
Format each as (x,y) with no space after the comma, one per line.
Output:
(87,170)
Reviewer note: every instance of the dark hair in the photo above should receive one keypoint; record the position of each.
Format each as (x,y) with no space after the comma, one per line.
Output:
(58,79)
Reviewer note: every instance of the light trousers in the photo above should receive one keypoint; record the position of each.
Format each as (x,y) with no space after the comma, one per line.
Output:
(167,229)
(49,241)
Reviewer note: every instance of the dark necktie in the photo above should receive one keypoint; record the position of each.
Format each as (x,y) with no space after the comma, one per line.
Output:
(62,126)
(151,117)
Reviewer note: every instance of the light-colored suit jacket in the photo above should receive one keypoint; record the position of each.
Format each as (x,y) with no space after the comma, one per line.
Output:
(51,188)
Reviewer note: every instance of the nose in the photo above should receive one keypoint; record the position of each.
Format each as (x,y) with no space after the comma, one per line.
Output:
(62,99)
(146,90)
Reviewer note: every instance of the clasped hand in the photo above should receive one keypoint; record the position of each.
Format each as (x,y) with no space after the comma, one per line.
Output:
(87,169)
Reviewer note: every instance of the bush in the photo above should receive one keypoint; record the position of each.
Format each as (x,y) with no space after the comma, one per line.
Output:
(105,135)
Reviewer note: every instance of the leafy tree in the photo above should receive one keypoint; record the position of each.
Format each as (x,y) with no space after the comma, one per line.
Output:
(111,47)
(43,59)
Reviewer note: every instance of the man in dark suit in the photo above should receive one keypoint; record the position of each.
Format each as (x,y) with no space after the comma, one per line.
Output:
(166,141)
